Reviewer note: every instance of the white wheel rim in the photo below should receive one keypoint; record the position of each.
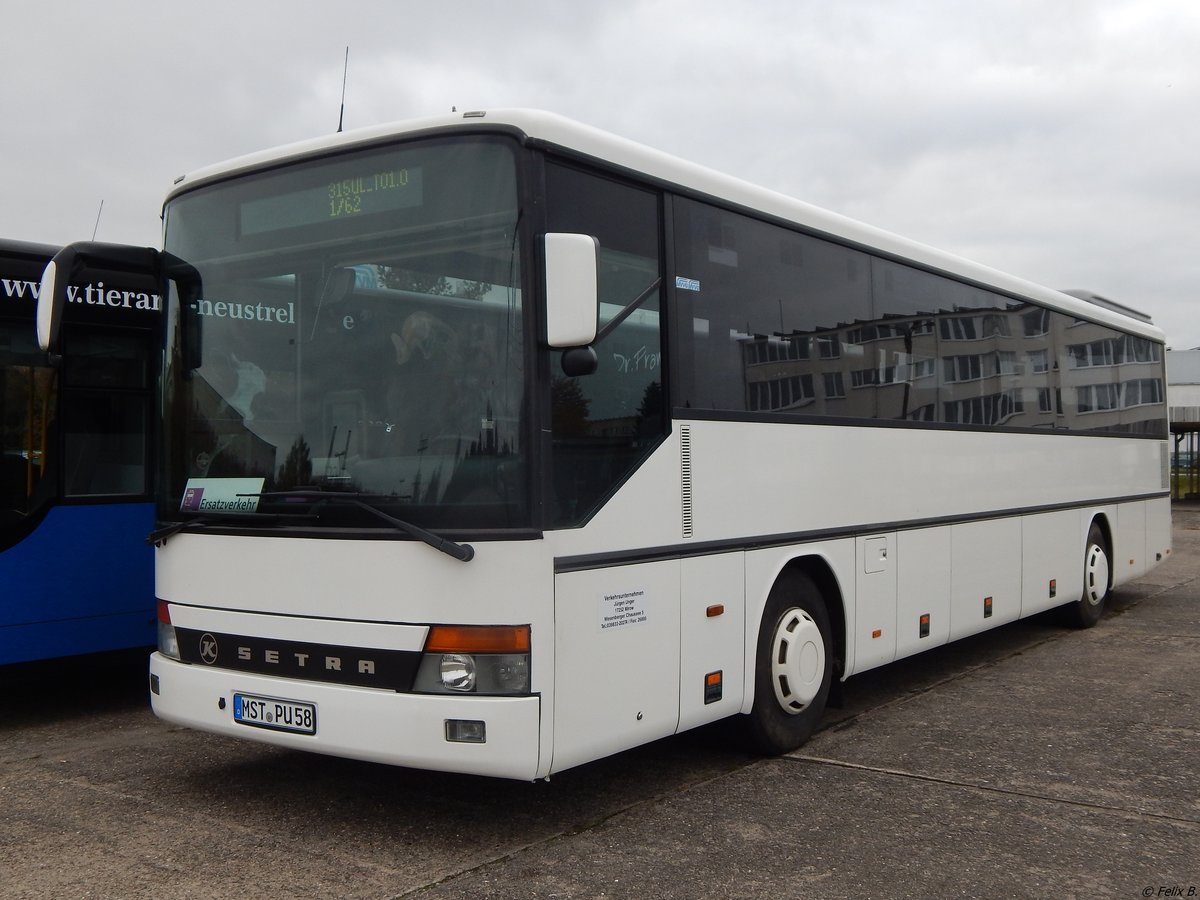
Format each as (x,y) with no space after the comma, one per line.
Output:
(797,661)
(1095,575)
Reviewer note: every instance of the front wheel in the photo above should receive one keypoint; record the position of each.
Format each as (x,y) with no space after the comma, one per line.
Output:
(1087,610)
(793,667)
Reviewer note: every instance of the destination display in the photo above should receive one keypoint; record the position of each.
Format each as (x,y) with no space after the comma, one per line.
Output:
(367,187)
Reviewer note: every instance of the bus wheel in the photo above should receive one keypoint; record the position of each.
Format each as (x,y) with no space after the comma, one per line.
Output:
(793,667)
(1087,610)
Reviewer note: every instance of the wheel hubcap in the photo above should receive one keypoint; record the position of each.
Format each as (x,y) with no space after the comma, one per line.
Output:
(1095,575)
(797,661)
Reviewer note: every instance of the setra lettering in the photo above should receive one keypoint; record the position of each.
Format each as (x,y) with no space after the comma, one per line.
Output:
(286,659)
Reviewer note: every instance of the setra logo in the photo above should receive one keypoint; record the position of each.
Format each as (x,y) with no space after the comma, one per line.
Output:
(208,649)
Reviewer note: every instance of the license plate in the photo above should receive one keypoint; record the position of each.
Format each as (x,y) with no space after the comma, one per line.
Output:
(274,713)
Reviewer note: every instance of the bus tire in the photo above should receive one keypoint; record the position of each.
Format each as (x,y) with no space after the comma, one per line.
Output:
(1097,568)
(793,667)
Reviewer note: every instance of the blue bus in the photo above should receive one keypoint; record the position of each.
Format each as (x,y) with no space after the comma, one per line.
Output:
(76,575)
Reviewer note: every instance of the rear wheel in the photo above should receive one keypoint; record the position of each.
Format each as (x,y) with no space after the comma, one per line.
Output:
(1097,568)
(793,667)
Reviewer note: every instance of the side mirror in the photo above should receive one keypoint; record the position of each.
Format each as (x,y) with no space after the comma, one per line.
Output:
(572,289)
(52,298)
(68,264)
(579,361)
(187,281)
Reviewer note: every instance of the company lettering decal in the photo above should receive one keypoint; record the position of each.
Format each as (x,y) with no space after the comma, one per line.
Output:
(641,360)
(221,495)
(365,666)
(249,312)
(19,290)
(98,294)
(622,610)
(95,294)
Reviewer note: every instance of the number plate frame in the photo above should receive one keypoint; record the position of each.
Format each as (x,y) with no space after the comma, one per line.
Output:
(275,713)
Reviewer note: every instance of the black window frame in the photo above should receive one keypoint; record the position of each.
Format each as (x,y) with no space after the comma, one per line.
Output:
(994,329)
(549,368)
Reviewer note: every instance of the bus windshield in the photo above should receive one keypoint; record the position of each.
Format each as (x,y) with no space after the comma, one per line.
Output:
(26,415)
(351,326)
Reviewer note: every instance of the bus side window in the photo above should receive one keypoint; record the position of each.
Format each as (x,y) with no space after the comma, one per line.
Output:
(772,313)
(605,423)
(105,414)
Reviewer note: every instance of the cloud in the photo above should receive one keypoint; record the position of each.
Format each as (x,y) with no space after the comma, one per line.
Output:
(1056,141)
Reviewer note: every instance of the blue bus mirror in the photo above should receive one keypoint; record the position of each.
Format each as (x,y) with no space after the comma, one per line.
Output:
(68,264)
(52,298)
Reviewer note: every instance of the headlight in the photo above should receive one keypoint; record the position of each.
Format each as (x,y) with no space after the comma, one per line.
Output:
(458,672)
(475,659)
(168,643)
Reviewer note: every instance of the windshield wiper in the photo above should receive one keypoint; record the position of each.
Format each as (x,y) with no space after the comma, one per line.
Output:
(461,552)
(159,536)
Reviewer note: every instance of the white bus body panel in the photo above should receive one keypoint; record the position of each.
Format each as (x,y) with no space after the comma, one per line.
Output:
(711,642)
(780,479)
(617,674)
(1158,530)
(985,575)
(1052,547)
(875,600)
(775,479)
(359,580)
(1129,552)
(923,588)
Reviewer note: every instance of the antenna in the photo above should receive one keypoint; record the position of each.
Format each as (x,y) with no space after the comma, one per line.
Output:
(97,226)
(345,70)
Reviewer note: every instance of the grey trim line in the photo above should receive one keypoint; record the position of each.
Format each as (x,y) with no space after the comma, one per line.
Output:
(585,562)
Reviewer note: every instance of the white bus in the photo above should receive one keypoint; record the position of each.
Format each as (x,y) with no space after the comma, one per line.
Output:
(497,444)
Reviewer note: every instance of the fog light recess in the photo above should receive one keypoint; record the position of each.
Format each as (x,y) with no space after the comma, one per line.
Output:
(466,731)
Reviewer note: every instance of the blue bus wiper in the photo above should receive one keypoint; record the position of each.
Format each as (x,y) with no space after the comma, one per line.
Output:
(159,536)
(461,552)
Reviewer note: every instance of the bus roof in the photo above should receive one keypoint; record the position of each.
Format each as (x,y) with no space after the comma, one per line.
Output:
(27,251)
(551,130)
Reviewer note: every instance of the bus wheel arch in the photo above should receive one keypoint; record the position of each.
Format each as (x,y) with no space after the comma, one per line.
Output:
(798,657)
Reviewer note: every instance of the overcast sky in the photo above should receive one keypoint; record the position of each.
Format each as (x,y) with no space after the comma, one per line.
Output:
(1056,139)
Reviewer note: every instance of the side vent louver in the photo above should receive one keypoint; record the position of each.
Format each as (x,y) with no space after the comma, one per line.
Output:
(1165,467)
(685,476)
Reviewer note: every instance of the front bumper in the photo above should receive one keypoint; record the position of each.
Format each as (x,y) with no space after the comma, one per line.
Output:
(359,723)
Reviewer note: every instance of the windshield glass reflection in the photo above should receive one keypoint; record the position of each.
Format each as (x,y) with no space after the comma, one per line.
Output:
(356,326)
